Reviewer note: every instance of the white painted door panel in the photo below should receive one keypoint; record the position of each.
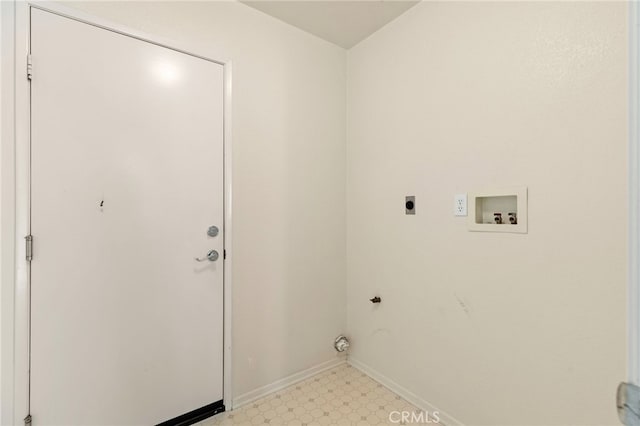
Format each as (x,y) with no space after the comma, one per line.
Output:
(127,175)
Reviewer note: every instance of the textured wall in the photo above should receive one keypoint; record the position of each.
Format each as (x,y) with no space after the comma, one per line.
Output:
(455,96)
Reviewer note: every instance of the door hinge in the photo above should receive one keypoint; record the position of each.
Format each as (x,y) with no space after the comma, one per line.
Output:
(628,404)
(224,254)
(27,420)
(29,68)
(29,247)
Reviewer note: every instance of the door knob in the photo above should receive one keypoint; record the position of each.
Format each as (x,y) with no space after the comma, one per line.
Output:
(212,256)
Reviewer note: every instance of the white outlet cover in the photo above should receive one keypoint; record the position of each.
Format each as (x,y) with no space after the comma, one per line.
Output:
(460,205)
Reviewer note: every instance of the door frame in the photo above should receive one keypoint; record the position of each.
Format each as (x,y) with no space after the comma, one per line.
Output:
(15,196)
(633,288)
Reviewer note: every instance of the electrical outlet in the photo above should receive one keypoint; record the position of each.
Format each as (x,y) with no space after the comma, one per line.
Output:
(410,204)
(460,205)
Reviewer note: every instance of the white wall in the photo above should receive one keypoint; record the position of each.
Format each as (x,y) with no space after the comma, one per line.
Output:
(452,97)
(289,270)
(7,198)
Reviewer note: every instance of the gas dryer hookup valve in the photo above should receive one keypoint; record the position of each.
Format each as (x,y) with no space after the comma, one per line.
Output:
(341,344)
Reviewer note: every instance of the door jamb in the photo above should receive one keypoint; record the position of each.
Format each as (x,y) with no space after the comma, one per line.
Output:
(633,288)
(14,201)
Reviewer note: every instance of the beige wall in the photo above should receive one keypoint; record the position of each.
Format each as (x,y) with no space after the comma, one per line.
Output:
(288,178)
(452,97)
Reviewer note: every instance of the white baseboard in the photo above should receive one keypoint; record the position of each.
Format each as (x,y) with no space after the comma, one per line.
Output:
(445,419)
(263,391)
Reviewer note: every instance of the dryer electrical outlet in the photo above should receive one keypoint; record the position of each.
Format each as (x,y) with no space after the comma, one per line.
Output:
(410,204)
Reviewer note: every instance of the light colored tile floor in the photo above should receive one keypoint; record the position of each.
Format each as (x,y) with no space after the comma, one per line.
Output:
(340,396)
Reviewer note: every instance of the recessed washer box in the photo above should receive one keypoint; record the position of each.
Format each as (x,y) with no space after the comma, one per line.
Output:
(498,210)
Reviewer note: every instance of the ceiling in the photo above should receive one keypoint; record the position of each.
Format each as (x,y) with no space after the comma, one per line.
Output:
(344,23)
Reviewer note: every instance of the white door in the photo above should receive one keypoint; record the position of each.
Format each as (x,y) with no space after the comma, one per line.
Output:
(126,179)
